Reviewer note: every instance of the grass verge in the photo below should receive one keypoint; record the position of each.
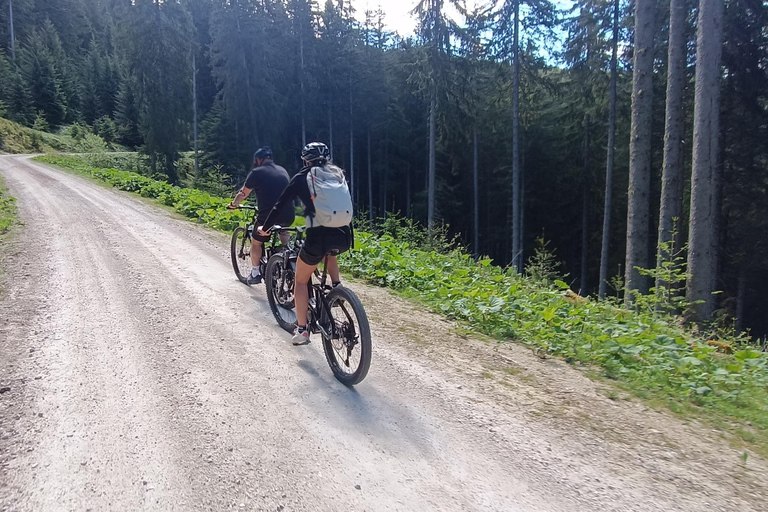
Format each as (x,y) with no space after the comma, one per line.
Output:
(7,211)
(644,353)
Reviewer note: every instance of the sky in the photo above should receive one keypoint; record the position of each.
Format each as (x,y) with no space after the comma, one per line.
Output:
(398,12)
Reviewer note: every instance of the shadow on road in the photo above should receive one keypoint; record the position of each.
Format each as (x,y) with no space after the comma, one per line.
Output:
(364,411)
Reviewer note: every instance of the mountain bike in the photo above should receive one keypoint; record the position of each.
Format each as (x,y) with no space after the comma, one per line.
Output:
(335,313)
(240,249)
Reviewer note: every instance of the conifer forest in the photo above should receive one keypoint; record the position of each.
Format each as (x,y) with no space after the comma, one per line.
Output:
(618,135)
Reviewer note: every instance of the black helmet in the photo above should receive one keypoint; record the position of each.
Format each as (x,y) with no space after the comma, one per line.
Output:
(315,151)
(262,153)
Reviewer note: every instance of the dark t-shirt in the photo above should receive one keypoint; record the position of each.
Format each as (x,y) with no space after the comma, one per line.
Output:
(268,182)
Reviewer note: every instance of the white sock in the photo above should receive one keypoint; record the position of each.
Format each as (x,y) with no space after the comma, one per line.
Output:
(255,271)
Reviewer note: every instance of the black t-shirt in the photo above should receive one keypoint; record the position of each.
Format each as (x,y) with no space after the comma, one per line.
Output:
(268,182)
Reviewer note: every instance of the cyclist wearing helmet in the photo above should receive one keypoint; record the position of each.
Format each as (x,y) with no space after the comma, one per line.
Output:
(320,240)
(268,180)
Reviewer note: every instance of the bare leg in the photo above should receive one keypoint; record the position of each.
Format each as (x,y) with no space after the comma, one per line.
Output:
(255,252)
(300,291)
(333,269)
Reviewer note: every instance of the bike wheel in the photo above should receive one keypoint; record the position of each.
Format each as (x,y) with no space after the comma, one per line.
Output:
(279,281)
(348,349)
(241,254)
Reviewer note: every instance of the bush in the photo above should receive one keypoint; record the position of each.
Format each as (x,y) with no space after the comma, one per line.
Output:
(106,128)
(41,123)
(91,143)
(78,131)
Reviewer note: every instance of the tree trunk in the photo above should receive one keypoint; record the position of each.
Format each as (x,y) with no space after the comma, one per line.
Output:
(672,168)
(383,179)
(585,209)
(13,39)
(520,248)
(330,129)
(476,224)
(301,81)
(640,151)
(609,160)
(408,192)
(431,178)
(741,294)
(351,146)
(516,141)
(370,179)
(194,112)
(702,253)
(247,73)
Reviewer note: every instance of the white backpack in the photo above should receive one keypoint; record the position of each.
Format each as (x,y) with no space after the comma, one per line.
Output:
(330,196)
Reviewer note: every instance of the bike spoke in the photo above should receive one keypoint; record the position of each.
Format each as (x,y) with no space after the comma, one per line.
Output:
(344,347)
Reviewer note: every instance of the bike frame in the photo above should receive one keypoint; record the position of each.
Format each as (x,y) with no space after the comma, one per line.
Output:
(270,247)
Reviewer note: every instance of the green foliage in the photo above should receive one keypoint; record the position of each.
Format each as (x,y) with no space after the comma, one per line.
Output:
(106,129)
(7,210)
(650,353)
(409,231)
(18,139)
(91,143)
(159,68)
(670,275)
(78,130)
(195,204)
(40,123)
(43,74)
(543,266)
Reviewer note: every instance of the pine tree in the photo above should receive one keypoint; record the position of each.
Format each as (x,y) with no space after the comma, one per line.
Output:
(671,210)
(638,211)
(540,17)
(160,68)
(608,204)
(127,113)
(39,69)
(703,243)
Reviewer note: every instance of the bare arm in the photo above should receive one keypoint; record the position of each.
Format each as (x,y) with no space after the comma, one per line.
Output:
(244,192)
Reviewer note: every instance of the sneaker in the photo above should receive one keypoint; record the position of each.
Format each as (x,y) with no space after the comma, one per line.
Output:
(252,279)
(301,337)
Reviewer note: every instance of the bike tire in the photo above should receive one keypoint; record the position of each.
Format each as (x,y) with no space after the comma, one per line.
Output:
(241,253)
(337,296)
(283,310)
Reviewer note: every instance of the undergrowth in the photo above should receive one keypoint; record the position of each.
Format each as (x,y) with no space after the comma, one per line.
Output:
(646,351)
(7,210)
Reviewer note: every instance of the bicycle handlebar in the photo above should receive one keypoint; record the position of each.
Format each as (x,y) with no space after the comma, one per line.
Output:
(277,227)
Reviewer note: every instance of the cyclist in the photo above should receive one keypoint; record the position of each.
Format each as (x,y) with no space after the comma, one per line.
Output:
(320,240)
(268,180)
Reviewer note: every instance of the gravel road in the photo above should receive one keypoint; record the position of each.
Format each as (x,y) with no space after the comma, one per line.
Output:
(137,373)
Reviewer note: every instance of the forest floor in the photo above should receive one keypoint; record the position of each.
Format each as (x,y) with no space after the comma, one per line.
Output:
(136,372)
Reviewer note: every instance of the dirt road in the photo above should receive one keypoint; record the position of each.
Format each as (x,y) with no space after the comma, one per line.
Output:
(138,374)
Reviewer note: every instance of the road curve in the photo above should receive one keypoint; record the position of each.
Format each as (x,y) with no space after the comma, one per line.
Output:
(144,376)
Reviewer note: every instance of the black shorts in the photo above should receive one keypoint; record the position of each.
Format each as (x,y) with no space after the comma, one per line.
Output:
(321,241)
